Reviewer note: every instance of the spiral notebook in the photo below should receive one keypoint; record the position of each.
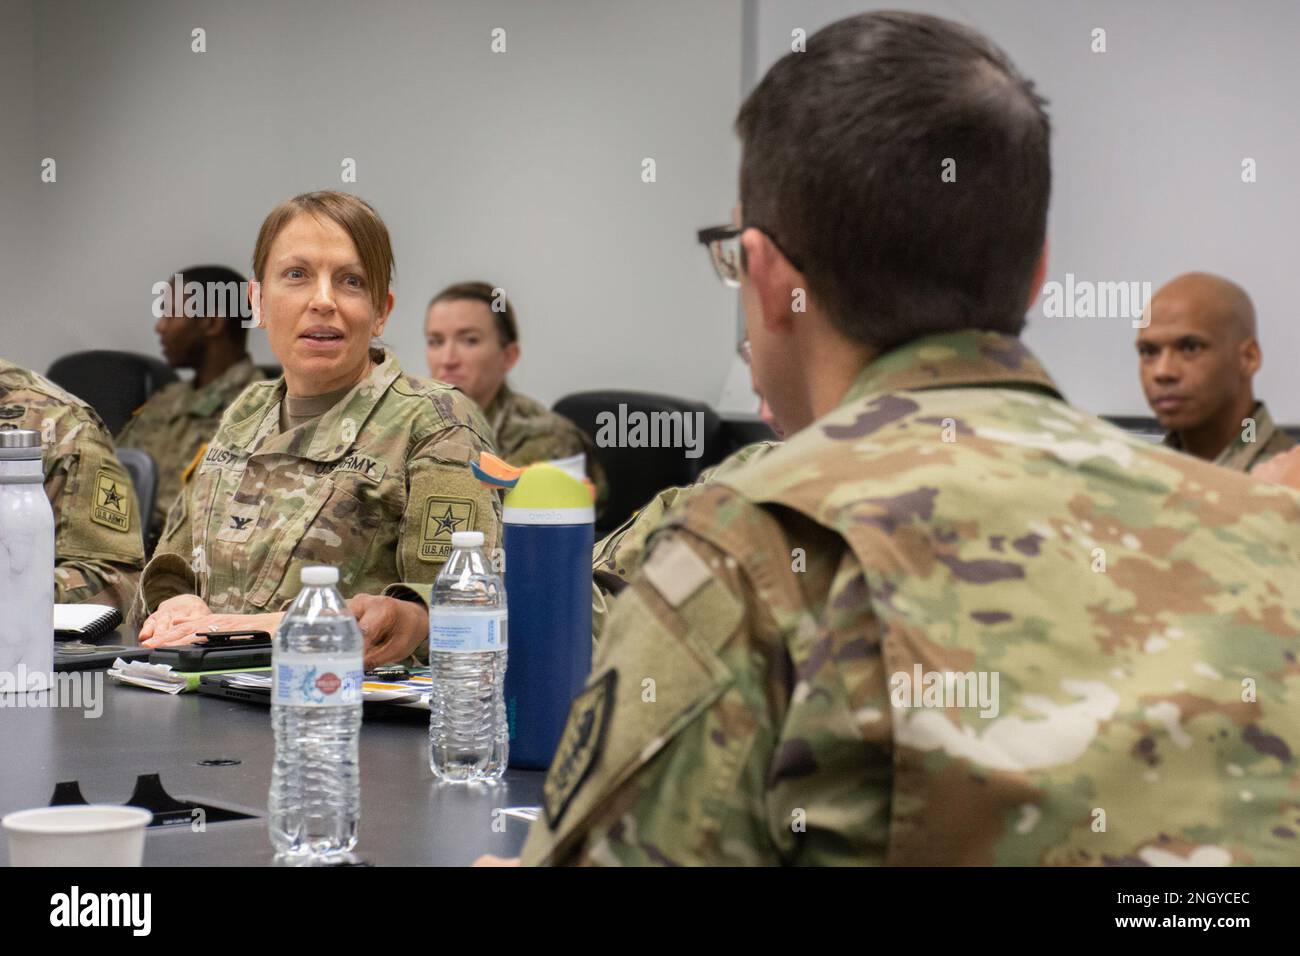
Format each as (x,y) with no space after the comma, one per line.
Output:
(85,621)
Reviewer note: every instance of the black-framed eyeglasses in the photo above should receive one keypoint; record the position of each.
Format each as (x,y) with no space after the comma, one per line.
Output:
(723,243)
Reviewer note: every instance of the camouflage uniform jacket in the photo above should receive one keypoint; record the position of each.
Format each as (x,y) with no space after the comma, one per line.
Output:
(618,555)
(375,487)
(175,422)
(1269,441)
(528,432)
(98,550)
(765,690)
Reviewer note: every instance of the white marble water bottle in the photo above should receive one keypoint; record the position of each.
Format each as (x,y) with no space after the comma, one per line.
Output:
(26,566)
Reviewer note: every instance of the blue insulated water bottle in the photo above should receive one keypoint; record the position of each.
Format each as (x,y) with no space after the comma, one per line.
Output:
(549,522)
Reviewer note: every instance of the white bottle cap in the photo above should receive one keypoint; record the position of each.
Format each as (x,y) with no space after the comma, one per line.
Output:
(320,576)
(467,539)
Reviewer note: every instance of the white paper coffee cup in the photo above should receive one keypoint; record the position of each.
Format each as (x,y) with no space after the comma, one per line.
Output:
(77,836)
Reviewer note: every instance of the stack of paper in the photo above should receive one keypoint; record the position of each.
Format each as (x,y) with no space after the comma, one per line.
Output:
(153,676)
(254,680)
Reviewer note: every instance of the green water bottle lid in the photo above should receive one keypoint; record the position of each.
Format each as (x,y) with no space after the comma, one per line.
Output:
(546,494)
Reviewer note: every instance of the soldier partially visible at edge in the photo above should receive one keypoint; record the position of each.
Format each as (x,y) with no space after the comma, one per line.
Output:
(938,510)
(471,337)
(177,421)
(344,460)
(98,549)
(1197,358)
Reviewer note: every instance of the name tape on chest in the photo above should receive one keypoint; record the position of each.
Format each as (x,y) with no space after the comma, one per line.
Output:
(112,501)
(218,457)
(372,469)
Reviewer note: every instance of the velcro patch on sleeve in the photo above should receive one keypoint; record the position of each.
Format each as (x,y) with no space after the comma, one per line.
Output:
(442,517)
(580,745)
(112,501)
(676,571)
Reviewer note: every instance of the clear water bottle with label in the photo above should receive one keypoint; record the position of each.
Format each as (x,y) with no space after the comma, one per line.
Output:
(468,737)
(315,802)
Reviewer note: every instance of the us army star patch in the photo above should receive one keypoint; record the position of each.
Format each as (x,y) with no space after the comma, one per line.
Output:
(442,517)
(112,507)
(580,745)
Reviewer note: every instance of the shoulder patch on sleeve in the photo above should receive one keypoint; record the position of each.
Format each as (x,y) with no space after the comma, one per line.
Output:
(442,516)
(676,571)
(112,504)
(584,736)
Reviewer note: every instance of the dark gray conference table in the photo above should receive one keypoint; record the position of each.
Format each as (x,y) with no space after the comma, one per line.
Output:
(407,817)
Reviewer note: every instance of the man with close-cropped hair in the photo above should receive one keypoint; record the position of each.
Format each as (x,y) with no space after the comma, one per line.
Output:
(951,616)
(1197,358)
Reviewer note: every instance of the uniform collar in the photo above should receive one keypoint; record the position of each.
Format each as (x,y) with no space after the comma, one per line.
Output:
(499,407)
(954,360)
(1239,454)
(328,437)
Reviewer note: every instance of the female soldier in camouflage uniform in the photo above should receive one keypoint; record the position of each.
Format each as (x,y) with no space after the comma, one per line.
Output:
(472,340)
(343,461)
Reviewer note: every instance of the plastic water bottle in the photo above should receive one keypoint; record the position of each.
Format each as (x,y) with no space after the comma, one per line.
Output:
(468,736)
(316,671)
(26,566)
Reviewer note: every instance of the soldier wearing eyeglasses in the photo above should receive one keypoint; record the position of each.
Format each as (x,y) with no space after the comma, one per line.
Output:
(797,672)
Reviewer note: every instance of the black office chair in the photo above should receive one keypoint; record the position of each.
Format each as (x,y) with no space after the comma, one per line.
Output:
(636,475)
(112,383)
(139,464)
(742,430)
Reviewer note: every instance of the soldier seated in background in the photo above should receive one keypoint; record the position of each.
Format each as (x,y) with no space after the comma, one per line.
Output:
(177,421)
(472,341)
(953,619)
(98,550)
(1197,358)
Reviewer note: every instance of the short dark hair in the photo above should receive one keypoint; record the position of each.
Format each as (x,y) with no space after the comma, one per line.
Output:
(507,326)
(234,305)
(844,150)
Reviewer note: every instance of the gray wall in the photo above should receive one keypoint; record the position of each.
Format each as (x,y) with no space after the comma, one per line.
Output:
(523,168)
(1147,148)
(19,229)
